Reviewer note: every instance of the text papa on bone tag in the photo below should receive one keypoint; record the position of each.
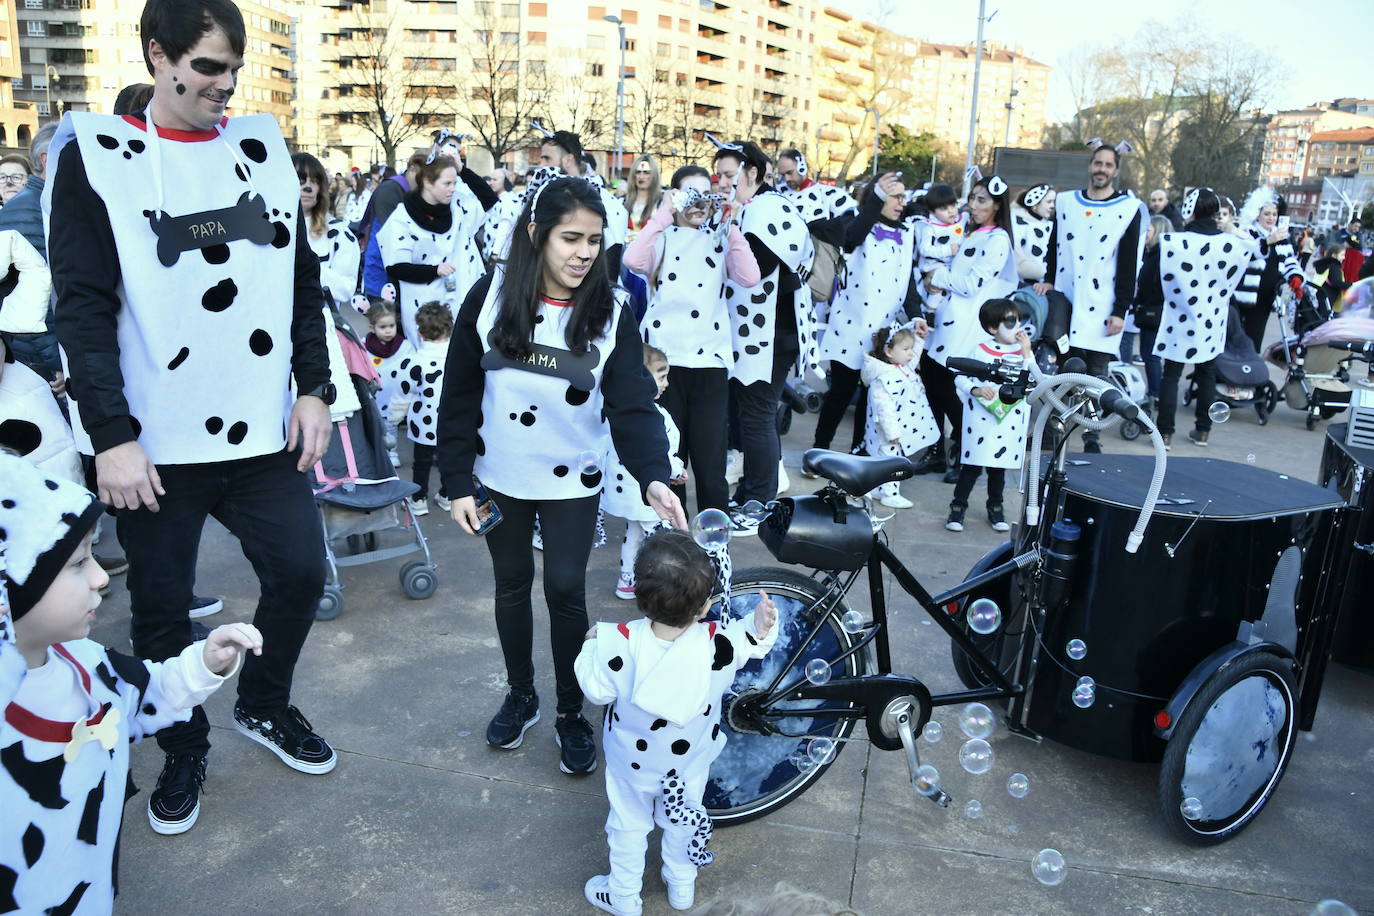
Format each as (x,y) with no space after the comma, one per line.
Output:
(574,368)
(246,219)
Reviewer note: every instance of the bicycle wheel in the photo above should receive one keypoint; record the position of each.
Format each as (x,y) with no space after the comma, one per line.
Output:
(757,774)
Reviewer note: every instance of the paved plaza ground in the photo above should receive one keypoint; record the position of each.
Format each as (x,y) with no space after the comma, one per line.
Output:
(422,817)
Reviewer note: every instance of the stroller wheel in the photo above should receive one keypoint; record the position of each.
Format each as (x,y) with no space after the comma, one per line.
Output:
(1311,421)
(1130,430)
(418,580)
(331,603)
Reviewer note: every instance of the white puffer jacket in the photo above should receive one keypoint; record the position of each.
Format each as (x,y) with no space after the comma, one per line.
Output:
(25,309)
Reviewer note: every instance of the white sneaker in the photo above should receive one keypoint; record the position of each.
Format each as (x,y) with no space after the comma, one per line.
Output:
(625,587)
(680,896)
(743,526)
(395,458)
(896,501)
(734,466)
(418,506)
(783,482)
(537,540)
(597,890)
(443,503)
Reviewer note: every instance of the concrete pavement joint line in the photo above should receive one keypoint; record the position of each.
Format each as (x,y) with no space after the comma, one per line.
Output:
(859,827)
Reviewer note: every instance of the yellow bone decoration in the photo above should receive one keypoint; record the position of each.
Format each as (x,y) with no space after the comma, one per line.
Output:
(106,731)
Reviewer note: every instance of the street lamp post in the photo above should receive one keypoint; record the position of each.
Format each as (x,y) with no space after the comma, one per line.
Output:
(973,117)
(877,134)
(53,77)
(619,98)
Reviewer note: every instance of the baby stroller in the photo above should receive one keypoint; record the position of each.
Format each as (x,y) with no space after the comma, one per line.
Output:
(1242,376)
(1316,355)
(1131,380)
(356,489)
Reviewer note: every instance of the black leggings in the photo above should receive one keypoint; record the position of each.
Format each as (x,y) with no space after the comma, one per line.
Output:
(1205,374)
(843,383)
(568,527)
(421,461)
(698,401)
(944,399)
(968,475)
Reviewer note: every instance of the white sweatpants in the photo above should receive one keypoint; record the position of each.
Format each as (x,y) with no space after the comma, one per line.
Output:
(635,533)
(633,815)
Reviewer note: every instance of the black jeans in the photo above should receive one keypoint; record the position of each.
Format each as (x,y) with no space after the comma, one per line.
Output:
(421,462)
(265,503)
(844,381)
(945,401)
(757,406)
(698,401)
(968,475)
(1097,364)
(1205,374)
(567,526)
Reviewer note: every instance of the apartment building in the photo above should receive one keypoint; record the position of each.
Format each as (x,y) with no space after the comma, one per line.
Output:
(1285,156)
(17,121)
(1340,152)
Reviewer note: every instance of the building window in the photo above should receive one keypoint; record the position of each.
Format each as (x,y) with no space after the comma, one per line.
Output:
(596,69)
(596,41)
(510,9)
(510,38)
(534,66)
(539,9)
(596,13)
(537,38)
(483,7)
(37,29)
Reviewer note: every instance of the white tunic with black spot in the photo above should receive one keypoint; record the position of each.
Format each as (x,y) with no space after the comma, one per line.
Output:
(879,276)
(988,442)
(897,409)
(621,496)
(772,220)
(232,311)
(539,421)
(1198,273)
(337,249)
(32,425)
(61,817)
(687,317)
(664,697)
(984,269)
(1032,235)
(389,370)
(1088,235)
(818,201)
(419,380)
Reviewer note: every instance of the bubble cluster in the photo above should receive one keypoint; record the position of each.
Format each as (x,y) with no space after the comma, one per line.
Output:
(1191,809)
(1048,867)
(852,622)
(984,616)
(1332,908)
(976,756)
(927,780)
(820,750)
(589,462)
(1084,695)
(973,809)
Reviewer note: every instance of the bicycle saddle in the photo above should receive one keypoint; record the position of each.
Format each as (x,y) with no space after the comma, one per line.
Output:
(856,474)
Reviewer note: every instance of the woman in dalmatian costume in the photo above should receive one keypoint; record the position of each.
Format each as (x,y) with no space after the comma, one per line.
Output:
(1032,223)
(71,707)
(1199,270)
(879,245)
(984,269)
(543,363)
(772,323)
(662,677)
(330,238)
(688,261)
(429,244)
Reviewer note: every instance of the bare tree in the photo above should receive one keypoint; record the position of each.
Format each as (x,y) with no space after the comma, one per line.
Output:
(391,96)
(889,62)
(506,88)
(581,104)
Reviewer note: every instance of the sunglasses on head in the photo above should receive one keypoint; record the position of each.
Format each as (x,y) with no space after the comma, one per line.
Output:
(1010,323)
(643,170)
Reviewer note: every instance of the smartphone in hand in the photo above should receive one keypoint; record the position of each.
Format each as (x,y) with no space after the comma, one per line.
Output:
(488,513)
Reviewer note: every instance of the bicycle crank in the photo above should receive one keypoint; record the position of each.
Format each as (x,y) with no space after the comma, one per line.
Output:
(898,720)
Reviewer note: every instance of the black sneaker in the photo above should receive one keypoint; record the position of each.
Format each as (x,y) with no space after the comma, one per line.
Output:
(952,473)
(517,713)
(204,607)
(955,522)
(573,735)
(175,803)
(1092,447)
(289,736)
(933,462)
(997,519)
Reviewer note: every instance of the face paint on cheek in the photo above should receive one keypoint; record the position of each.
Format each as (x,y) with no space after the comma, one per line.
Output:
(181,89)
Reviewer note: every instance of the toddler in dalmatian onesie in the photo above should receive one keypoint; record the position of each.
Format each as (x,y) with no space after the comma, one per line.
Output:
(71,707)
(415,405)
(662,677)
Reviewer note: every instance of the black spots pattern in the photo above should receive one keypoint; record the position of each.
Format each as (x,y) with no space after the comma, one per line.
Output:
(133,147)
(149,709)
(752,642)
(715,731)
(21,436)
(237,433)
(260,342)
(615,664)
(641,745)
(725,652)
(40,781)
(220,296)
(88,831)
(681,746)
(254,149)
(528,417)
(33,846)
(283,236)
(68,906)
(657,724)
(181,88)
(107,677)
(591,479)
(561,471)
(242,172)
(179,358)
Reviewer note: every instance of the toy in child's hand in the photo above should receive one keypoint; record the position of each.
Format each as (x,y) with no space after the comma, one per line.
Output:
(765,615)
(361,303)
(226,642)
(388,292)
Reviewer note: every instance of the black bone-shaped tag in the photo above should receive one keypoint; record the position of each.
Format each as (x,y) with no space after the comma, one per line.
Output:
(576,369)
(246,219)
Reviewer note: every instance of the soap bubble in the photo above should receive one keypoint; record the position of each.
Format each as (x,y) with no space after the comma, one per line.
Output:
(1249,459)
(820,750)
(852,622)
(753,509)
(933,732)
(973,809)
(802,762)
(818,671)
(927,779)
(711,529)
(1076,649)
(1048,867)
(984,616)
(1018,785)
(1084,695)
(1219,412)
(1332,908)
(976,721)
(976,756)
(589,462)
(1086,681)
(1191,809)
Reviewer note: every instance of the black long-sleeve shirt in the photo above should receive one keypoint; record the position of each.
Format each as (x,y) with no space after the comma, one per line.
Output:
(627,391)
(1127,264)
(86,272)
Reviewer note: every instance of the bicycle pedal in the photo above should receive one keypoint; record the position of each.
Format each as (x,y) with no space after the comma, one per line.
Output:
(941,798)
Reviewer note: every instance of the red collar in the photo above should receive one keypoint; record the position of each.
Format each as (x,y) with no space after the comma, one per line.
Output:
(556,303)
(41,729)
(806,183)
(182,136)
(993,351)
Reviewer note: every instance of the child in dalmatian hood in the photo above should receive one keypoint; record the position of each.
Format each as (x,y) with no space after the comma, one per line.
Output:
(388,350)
(940,234)
(620,496)
(879,243)
(687,261)
(72,707)
(899,420)
(416,402)
(662,677)
(1032,222)
(994,437)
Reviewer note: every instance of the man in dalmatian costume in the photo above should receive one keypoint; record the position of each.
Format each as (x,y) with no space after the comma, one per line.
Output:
(816,201)
(70,706)
(188,299)
(1093,258)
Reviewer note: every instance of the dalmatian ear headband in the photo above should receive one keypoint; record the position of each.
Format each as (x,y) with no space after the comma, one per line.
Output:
(1190,204)
(540,179)
(543,131)
(1036,194)
(443,136)
(720,144)
(801,165)
(996,186)
(1121,148)
(897,325)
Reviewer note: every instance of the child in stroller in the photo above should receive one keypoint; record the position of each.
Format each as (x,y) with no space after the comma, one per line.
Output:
(1242,376)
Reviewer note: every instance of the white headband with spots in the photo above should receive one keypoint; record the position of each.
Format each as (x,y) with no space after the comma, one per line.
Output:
(801,165)
(996,186)
(1190,204)
(1038,193)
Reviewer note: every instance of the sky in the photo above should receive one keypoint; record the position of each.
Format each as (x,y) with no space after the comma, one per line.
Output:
(1320,47)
